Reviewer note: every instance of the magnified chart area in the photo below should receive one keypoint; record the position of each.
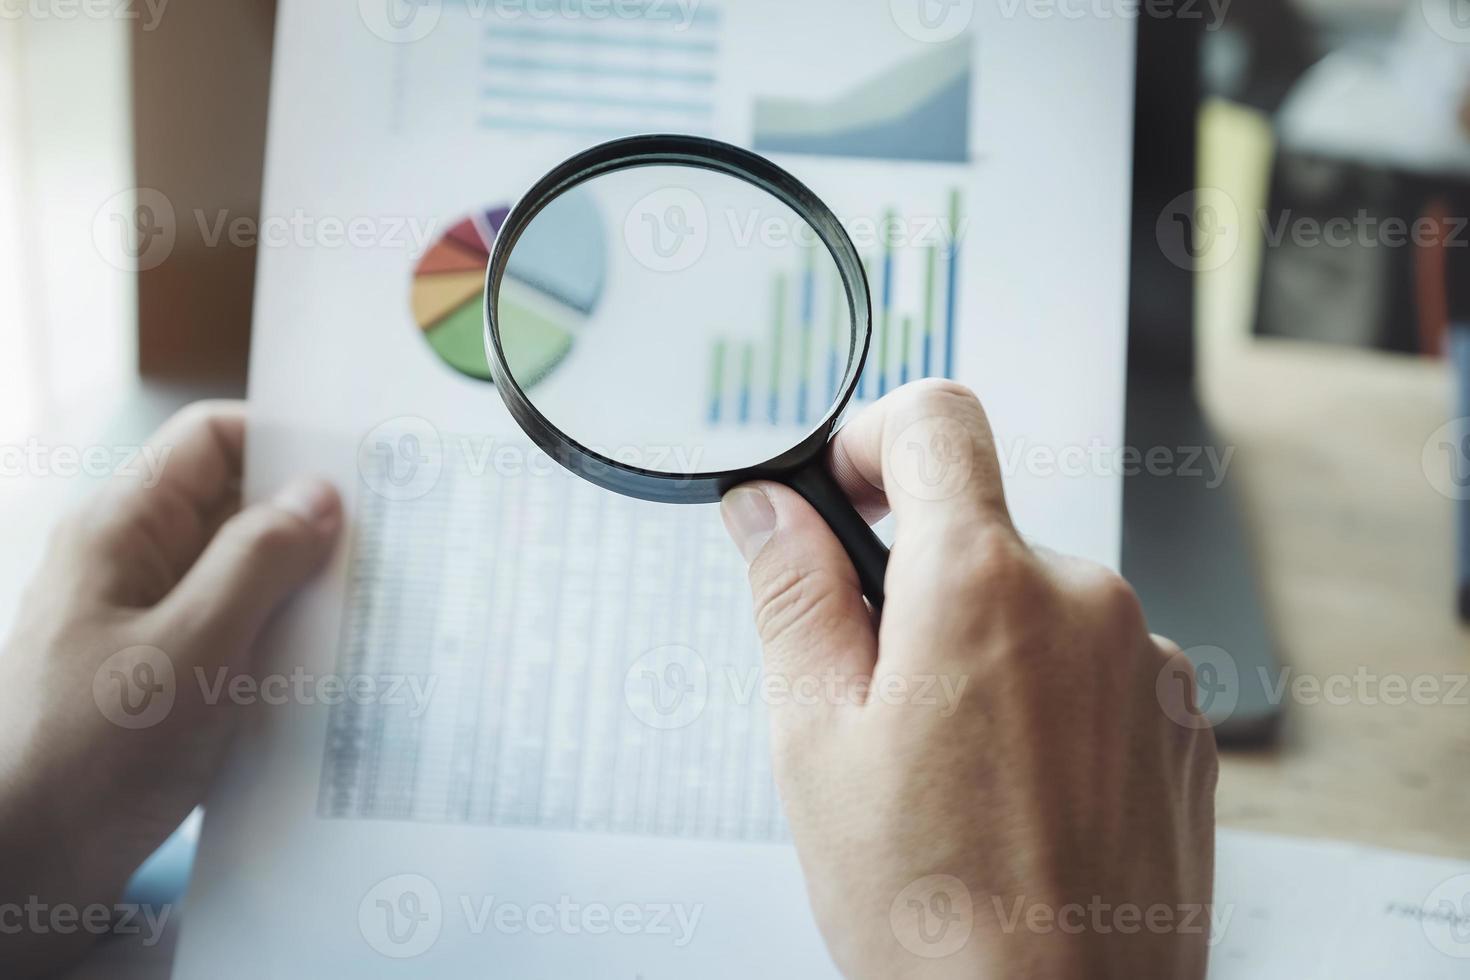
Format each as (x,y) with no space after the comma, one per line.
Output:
(789,373)
(552,285)
(690,254)
(917,110)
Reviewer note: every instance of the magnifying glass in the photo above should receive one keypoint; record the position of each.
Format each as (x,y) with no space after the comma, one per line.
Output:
(670,316)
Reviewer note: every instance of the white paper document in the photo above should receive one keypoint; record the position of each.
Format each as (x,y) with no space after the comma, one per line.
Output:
(526,736)
(1291,909)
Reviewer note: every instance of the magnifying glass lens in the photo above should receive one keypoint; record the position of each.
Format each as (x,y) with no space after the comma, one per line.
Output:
(676,319)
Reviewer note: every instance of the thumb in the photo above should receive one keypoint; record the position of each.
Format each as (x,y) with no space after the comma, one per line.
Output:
(809,608)
(257,559)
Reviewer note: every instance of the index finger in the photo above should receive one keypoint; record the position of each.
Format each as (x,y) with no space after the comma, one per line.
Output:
(925,452)
(198,453)
(162,509)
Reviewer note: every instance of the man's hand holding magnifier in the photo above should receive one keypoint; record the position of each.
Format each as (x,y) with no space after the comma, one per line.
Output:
(1049,819)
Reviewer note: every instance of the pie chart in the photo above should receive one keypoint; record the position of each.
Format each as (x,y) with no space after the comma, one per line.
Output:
(553,282)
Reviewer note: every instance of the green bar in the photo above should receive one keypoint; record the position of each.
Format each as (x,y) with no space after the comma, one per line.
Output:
(808,298)
(931,266)
(952,284)
(908,333)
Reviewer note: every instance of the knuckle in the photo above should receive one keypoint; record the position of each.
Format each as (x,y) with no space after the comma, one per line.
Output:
(1114,599)
(1179,698)
(992,560)
(198,414)
(941,396)
(1166,646)
(987,578)
(1178,665)
(794,601)
(190,418)
(260,533)
(941,389)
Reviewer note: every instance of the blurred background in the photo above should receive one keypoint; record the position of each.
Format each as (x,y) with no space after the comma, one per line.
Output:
(1301,261)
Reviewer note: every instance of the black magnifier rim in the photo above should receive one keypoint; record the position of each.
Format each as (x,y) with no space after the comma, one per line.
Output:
(707,154)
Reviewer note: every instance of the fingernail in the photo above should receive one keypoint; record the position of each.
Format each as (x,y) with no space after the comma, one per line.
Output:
(750,519)
(312,500)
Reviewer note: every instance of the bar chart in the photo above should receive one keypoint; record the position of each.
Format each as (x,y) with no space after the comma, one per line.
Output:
(791,374)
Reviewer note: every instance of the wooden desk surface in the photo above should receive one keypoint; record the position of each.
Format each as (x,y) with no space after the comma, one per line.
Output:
(1356,552)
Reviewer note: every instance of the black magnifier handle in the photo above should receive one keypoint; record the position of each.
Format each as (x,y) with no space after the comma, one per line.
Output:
(868,552)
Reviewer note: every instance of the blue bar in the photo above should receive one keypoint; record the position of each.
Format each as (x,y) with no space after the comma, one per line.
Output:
(747,373)
(950,302)
(903,367)
(928,356)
